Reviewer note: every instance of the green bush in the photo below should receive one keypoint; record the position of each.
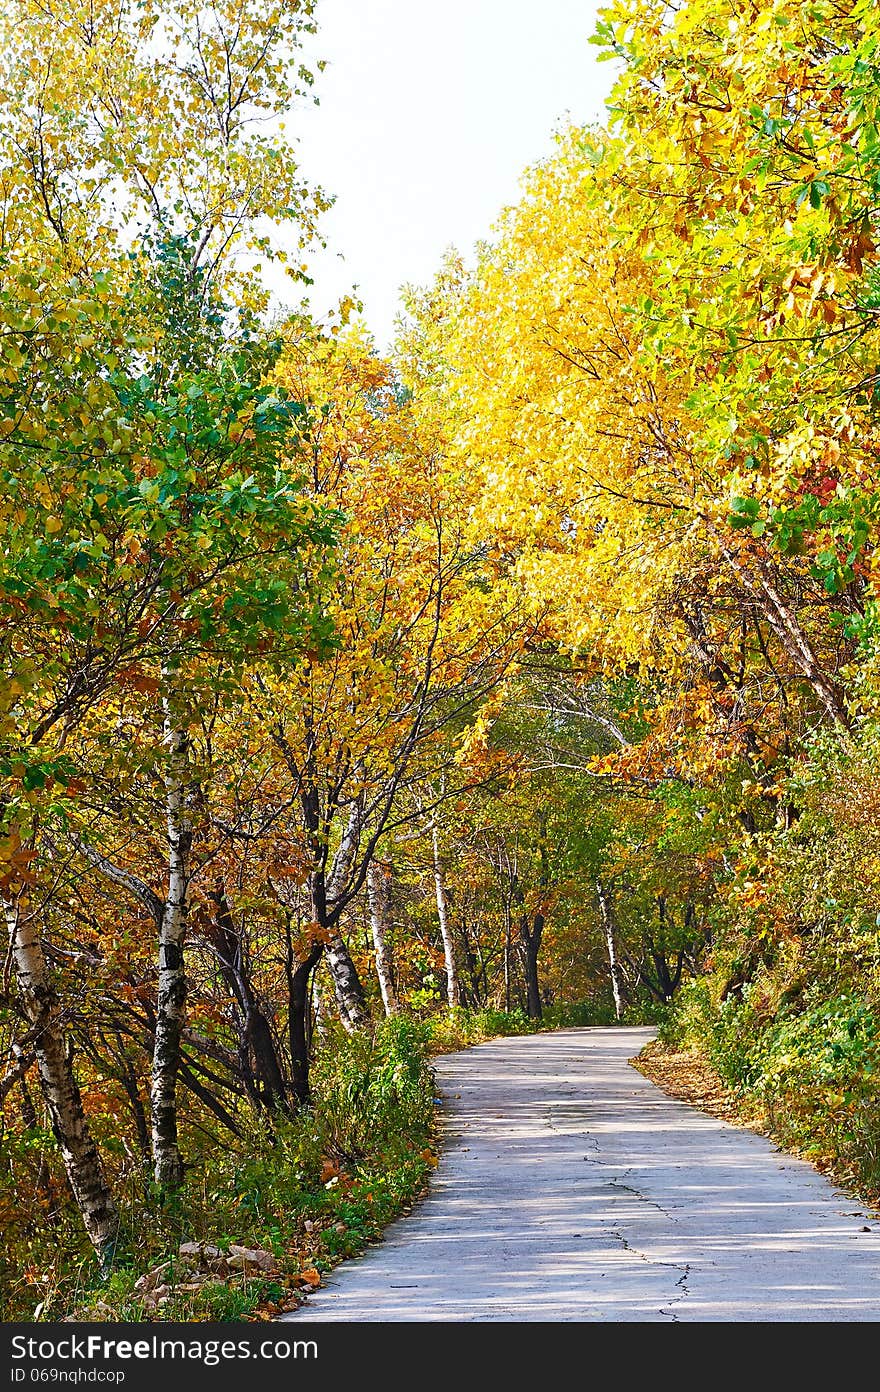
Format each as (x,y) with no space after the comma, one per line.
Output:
(372,1115)
(811,1061)
(371,1090)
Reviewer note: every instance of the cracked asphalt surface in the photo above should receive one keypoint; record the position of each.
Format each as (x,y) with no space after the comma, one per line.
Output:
(571,1188)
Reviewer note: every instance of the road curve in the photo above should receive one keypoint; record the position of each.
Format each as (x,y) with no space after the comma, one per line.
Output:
(571,1188)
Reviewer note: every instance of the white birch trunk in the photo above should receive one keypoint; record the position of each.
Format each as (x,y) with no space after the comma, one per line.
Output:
(347,986)
(171,997)
(613,961)
(379,894)
(453,993)
(353,1010)
(59,1086)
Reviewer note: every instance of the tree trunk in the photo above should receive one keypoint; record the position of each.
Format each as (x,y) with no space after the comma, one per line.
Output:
(319,1002)
(379,896)
(666,979)
(297,1012)
(529,946)
(453,990)
(171,997)
(507,956)
(261,1070)
(347,985)
(62,1095)
(784,622)
(607,912)
(353,1010)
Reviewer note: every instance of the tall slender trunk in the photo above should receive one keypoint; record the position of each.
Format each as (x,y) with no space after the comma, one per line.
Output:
(347,985)
(379,896)
(298,977)
(507,955)
(607,912)
(59,1086)
(784,623)
(529,946)
(453,990)
(171,997)
(261,1068)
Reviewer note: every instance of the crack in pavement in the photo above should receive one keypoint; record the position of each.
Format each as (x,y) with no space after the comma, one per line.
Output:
(555,1122)
(683,1269)
(682,1284)
(620,1184)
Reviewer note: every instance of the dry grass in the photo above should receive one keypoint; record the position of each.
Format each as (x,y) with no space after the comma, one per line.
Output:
(691,1078)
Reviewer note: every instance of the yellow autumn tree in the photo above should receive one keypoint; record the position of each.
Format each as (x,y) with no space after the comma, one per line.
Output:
(423,629)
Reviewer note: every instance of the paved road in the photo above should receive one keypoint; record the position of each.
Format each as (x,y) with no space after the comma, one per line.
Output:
(571,1188)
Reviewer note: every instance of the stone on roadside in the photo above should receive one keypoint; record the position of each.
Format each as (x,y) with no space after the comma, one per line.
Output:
(151,1279)
(201,1251)
(242,1258)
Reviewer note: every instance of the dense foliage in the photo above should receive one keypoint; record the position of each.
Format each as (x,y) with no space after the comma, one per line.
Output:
(664,369)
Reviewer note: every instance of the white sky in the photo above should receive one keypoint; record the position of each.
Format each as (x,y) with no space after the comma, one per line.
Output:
(428,115)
